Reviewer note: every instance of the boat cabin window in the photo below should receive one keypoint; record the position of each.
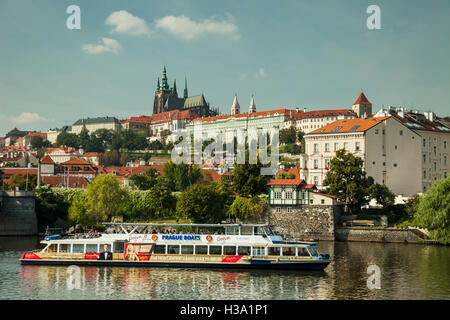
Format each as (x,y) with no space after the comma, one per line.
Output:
(258,251)
(201,249)
(78,247)
(244,251)
(173,249)
(313,251)
(119,246)
(302,252)
(259,231)
(274,251)
(52,248)
(247,231)
(288,251)
(229,250)
(91,248)
(215,249)
(63,247)
(159,248)
(187,249)
(232,231)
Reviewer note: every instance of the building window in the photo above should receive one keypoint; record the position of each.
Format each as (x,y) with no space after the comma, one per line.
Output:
(445,159)
(376,131)
(327,147)
(311,201)
(424,158)
(316,180)
(289,209)
(434,150)
(277,195)
(424,142)
(445,144)
(278,209)
(316,147)
(395,165)
(401,132)
(424,174)
(435,166)
(288,195)
(327,163)
(322,201)
(336,146)
(445,174)
(316,164)
(346,146)
(357,146)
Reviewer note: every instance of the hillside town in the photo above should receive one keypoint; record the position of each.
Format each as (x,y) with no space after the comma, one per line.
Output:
(383,138)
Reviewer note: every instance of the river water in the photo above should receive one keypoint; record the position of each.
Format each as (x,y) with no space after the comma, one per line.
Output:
(408,271)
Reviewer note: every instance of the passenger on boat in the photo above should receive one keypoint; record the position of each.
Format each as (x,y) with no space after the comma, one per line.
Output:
(106,255)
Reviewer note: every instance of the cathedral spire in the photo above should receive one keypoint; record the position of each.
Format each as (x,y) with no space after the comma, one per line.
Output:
(164,84)
(235,108)
(185,95)
(158,86)
(174,90)
(252,107)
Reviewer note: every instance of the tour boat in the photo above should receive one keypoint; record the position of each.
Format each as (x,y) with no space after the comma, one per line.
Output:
(180,245)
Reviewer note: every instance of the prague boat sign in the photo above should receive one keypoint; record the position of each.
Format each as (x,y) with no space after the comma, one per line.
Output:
(193,245)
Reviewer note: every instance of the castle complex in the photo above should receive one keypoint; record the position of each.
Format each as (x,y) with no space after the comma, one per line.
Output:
(166,99)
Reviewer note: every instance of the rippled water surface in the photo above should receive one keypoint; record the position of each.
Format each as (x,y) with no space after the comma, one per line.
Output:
(408,271)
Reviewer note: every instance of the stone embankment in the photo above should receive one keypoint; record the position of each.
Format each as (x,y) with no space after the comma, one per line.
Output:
(17,213)
(374,234)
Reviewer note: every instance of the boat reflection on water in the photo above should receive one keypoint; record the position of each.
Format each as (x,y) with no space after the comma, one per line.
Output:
(170,283)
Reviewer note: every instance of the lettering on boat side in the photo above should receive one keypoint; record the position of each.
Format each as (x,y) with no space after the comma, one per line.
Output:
(180,237)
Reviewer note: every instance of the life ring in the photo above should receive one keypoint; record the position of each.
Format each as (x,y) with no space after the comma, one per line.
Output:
(154,237)
(208,238)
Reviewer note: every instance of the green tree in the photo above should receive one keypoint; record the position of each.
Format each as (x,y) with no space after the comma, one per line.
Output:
(145,181)
(433,211)
(248,180)
(381,194)
(51,206)
(84,137)
(180,176)
(248,208)
(67,139)
(37,142)
(285,175)
(161,202)
(156,145)
(288,135)
(201,204)
(21,181)
(79,214)
(105,198)
(347,180)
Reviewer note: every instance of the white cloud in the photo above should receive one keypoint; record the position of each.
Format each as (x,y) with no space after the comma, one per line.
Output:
(125,22)
(104,45)
(262,73)
(188,29)
(26,118)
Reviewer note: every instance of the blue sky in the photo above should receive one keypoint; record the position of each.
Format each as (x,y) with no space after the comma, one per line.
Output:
(314,54)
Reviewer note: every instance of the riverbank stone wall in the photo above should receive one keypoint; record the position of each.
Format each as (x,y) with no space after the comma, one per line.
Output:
(371,234)
(304,222)
(17,213)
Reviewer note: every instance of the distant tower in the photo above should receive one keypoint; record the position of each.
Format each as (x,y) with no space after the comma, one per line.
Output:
(362,107)
(163,92)
(235,108)
(185,94)
(174,90)
(252,107)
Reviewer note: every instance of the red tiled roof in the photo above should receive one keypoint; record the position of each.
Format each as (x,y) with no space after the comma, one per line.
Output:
(76,161)
(243,115)
(420,122)
(327,195)
(285,182)
(47,160)
(10,171)
(295,171)
(90,154)
(38,134)
(309,186)
(362,99)
(296,115)
(58,181)
(215,176)
(350,125)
